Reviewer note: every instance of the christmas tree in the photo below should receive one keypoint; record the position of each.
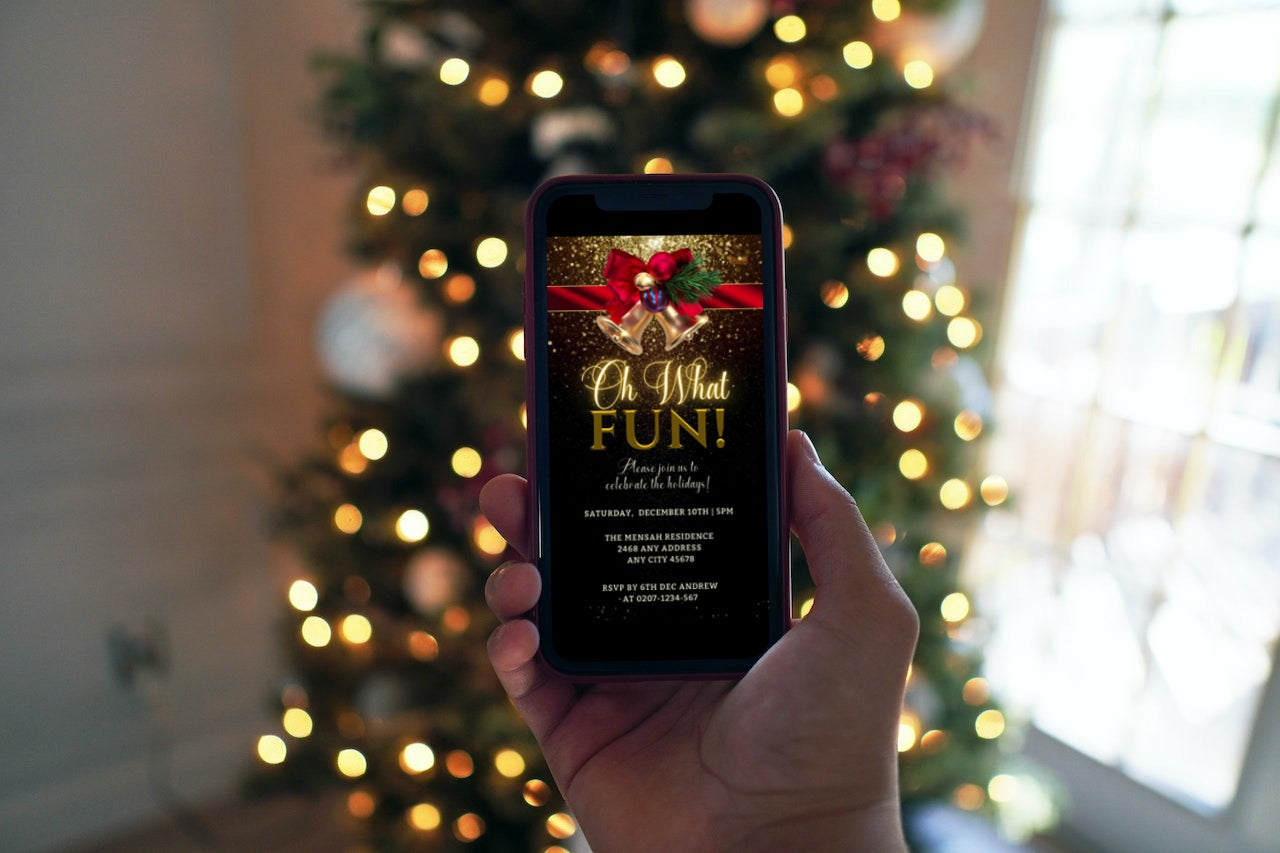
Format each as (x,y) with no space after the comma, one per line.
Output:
(451,113)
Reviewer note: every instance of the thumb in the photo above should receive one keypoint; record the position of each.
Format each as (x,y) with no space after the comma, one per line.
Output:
(846,565)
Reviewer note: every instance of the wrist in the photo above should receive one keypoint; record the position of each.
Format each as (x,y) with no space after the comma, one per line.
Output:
(876,827)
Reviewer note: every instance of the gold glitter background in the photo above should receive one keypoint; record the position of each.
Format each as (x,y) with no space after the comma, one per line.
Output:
(580,260)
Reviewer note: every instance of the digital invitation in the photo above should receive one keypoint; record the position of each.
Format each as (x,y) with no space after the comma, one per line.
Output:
(656,418)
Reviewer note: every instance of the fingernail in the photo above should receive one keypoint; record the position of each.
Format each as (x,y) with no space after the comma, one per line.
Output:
(495,576)
(810,450)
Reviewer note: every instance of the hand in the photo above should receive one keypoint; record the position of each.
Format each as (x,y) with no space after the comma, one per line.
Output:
(801,753)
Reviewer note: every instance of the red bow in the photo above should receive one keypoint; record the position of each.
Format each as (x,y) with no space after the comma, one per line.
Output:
(622,268)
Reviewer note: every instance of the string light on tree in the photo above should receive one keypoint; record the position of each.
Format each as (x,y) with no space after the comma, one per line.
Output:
(858,55)
(372,444)
(908,415)
(348,519)
(417,758)
(989,724)
(494,92)
(658,166)
(790,29)
(536,792)
(955,607)
(782,71)
(468,827)
(415,202)
(381,200)
(454,71)
(930,248)
(949,299)
(466,462)
(871,347)
(316,632)
(545,83)
(356,629)
(272,749)
(412,525)
(297,722)
(433,263)
(303,595)
(459,288)
(933,554)
(882,262)
(913,464)
(463,350)
(668,72)
(561,825)
(918,74)
(361,804)
(976,691)
(834,294)
(351,763)
(964,332)
(508,763)
(424,817)
(994,490)
(917,305)
(955,494)
(487,539)
(788,102)
(460,765)
(968,425)
(491,252)
(886,10)
(969,796)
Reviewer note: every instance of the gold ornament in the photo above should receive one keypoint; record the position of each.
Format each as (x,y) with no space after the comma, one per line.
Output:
(627,332)
(677,326)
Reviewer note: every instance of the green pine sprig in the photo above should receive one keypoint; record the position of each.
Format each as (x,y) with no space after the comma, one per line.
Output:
(692,282)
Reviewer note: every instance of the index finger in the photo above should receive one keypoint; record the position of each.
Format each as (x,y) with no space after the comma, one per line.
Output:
(504,501)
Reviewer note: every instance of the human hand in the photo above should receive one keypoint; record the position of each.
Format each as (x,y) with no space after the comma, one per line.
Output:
(801,753)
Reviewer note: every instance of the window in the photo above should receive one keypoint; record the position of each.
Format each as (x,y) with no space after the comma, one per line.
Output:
(1134,584)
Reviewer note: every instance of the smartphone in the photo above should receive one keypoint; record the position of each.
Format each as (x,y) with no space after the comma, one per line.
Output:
(655,355)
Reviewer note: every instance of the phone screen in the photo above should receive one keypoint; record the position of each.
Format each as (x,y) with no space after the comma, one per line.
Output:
(659,431)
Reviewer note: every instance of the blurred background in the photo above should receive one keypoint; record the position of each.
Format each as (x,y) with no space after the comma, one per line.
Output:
(175,245)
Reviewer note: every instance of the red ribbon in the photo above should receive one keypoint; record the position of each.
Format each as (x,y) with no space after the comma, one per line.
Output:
(596,297)
(622,268)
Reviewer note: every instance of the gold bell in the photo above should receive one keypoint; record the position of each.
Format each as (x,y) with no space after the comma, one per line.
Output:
(679,326)
(628,331)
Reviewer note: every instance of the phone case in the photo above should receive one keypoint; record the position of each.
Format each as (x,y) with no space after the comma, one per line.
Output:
(780,586)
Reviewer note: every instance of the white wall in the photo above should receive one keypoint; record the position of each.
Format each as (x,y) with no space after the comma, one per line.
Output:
(168,229)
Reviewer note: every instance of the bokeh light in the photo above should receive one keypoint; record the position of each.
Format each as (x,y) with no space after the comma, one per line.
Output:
(380,201)
(790,29)
(412,525)
(546,83)
(271,749)
(303,595)
(955,607)
(508,763)
(491,252)
(316,632)
(416,758)
(297,722)
(882,262)
(913,464)
(351,763)
(668,72)
(858,55)
(454,71)
(908,415)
